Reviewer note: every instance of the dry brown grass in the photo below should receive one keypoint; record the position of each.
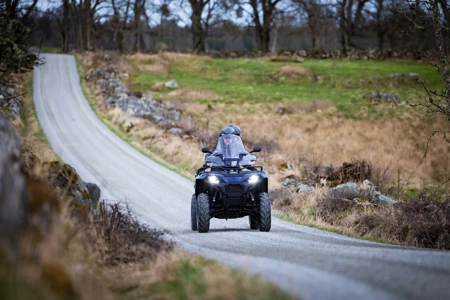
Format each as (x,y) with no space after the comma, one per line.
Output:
(94,60)
(150,63)
(308,133)
(295,72)
(305,137)
(422,222)
(159,63)
(176,275)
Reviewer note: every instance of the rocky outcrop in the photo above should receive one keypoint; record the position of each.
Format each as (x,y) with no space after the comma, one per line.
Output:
(296,186)
(350,54)
(67,180)
(9,103)
(171,84)
(14,198)
(116,94)
(26,196)
(379,97)
(361,191)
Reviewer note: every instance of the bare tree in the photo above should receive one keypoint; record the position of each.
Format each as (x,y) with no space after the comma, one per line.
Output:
(445,6)
(437,102)
(381,29)
(262,15)
(202,13)
(350,17)
(138,11)
(82,13)
(19,9)
(119,20)
(65,27)
(317,14)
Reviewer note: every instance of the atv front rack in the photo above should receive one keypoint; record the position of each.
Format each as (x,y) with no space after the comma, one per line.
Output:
(230,170)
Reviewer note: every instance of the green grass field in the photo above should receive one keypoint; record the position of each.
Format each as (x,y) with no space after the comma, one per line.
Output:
(339,83)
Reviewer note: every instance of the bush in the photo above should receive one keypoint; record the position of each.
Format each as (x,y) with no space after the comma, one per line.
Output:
(421,222)
(120,238)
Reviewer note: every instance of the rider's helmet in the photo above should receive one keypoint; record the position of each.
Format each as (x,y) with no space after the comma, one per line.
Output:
(236,128)
(231,129)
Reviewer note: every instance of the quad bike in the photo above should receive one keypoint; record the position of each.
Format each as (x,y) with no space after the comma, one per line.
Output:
(229,186)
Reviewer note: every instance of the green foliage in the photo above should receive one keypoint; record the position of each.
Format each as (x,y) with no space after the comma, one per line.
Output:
(342,84)
(15,57)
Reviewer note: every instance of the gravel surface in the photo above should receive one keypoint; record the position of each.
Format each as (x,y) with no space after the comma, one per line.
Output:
(307,262)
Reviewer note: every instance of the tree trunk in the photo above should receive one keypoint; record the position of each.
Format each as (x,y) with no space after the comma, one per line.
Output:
(76,26)
(65,27)
(88,24)
(263,29)
(198,33)
(267,28)
(446,12)
(441,50)
(380,30)
(138,7)
(343,26)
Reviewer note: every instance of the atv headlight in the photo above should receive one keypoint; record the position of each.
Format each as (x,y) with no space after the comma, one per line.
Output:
(213,179)
(254,179)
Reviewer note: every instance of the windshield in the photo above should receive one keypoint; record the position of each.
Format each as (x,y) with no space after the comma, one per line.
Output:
(230,146)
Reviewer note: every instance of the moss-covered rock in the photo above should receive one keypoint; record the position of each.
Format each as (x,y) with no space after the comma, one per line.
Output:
(64,177)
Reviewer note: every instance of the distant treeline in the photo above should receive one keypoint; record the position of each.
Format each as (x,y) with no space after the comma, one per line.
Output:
(235,25)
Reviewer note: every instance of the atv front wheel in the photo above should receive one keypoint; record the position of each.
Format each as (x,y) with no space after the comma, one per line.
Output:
(203,213)
(193,213)
(264,212)
(254,222)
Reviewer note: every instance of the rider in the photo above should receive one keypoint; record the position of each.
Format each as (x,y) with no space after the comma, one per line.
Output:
(230,129)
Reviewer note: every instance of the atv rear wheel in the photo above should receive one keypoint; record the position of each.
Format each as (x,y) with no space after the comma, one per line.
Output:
(253,221)
(203,213)
(264,212)
(193,213)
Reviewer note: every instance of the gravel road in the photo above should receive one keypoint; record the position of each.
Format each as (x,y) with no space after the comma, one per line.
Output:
(307,262)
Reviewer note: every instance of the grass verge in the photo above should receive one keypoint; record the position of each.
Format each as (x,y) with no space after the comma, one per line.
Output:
(33,137)
(287,217)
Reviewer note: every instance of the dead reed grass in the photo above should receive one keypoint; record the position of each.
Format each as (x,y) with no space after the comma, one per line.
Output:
(303,138)
(93,60)
(150,63)
(422,222)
